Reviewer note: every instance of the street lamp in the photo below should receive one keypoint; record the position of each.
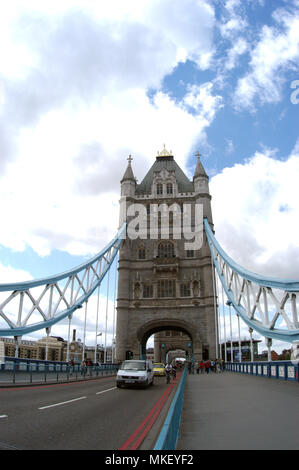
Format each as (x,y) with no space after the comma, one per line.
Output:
(113,349)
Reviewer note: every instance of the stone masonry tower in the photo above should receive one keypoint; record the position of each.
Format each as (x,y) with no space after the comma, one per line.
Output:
(164,282)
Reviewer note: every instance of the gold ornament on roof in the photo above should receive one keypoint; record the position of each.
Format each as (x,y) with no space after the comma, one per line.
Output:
(164,153)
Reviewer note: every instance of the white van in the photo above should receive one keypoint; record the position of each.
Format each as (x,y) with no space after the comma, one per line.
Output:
(135,372)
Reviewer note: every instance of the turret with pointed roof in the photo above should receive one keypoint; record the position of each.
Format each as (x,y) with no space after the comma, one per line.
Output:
(199,169)
(128,182)
(200,178)
(128,175)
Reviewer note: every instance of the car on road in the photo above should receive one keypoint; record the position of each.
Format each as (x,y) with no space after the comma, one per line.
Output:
(135,372)
(159,368)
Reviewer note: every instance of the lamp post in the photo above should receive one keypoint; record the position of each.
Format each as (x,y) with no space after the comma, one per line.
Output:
(269,344)
(251,345)
(240,349)
(113,350)
(231,331)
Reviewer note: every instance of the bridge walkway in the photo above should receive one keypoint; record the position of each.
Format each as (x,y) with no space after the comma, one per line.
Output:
(232,411)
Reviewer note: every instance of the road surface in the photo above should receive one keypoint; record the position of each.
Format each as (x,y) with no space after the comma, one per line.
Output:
(83,415)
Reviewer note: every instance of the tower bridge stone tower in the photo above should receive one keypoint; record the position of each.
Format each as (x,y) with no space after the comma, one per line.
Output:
(163,284)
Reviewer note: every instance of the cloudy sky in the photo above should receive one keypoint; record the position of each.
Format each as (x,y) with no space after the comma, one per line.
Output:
(82,87)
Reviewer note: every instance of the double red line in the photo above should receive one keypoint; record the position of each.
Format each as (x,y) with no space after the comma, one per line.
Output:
(141,432)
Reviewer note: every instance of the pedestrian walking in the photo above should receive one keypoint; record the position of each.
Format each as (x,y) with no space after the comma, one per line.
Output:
(83,368)
(174,371)
(207,366)
(71,365)
(89,366)
(197,367)
(202,367)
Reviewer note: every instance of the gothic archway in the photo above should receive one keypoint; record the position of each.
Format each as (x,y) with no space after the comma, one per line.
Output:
(159,325)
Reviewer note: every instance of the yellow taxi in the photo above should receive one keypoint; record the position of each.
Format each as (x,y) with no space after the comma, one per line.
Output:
(159,368)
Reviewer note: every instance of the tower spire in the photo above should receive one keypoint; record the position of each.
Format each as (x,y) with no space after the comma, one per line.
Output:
(129,175)
(199,169)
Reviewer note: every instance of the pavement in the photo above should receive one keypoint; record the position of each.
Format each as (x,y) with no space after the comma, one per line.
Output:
(232,411)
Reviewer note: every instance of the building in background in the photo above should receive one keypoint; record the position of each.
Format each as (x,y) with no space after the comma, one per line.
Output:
(54,348)
(245,350)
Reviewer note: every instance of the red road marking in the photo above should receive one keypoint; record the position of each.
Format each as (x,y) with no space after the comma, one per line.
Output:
(144,428)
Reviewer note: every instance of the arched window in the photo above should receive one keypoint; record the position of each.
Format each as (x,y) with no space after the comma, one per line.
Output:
(169,189)
(166,250)
(159,188)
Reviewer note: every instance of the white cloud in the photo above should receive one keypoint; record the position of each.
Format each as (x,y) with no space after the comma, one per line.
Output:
(63,190)
(75,104)
(233,20)
(256,213)
(229,147)
(276,51)
(201,99)
(189,24)
(239,48)
(8,274)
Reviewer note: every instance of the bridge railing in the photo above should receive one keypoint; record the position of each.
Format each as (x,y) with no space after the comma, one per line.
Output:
(282,370)
(25,371)
(169,434)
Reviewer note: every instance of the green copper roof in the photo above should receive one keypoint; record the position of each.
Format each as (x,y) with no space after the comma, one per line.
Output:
(184,184)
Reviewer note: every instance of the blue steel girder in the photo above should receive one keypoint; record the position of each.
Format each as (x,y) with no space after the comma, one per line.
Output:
(56,297)
(252,295)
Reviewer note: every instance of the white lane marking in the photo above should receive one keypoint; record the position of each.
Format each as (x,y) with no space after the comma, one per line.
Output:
(62,403)
(108,390)
(3,416)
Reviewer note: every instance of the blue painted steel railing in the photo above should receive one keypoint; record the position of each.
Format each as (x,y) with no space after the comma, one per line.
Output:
(37,365)
(283,370)
(16,370)
(267,305)
(169,434)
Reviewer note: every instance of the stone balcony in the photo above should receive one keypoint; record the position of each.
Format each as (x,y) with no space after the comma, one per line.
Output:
(166,265)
